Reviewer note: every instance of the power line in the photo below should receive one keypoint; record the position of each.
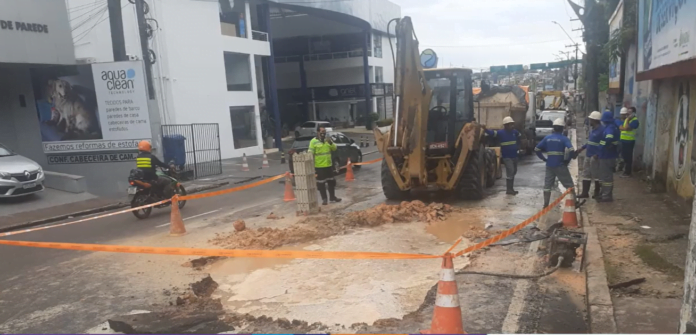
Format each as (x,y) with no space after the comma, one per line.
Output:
(489,45)
(89,18)
(88,12)
(81,7)
(84,34)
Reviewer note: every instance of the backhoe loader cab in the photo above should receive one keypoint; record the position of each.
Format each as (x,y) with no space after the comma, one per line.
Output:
(451,107)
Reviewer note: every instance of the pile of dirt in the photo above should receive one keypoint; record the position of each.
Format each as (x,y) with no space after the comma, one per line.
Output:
(198,296)
(403,212)
(263,324)
(318,227)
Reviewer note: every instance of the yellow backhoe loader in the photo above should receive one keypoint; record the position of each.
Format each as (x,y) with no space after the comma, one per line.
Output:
(435,142)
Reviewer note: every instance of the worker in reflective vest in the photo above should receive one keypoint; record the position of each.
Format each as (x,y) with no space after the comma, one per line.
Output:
(555,147)
(148,163)
(628,138)
(590,167)
(322,147)
(607,157)
(509,139)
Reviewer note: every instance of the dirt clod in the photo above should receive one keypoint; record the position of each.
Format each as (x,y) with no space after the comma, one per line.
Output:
(239,225)
(273,217)
(318,227)
(205,287)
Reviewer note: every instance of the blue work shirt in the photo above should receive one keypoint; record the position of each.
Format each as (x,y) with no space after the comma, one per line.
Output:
(609,141)
(508,141)
(554,146)
(592,144)
(618,122)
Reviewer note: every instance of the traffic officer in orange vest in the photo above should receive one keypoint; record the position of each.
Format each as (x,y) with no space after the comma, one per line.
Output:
(628,138)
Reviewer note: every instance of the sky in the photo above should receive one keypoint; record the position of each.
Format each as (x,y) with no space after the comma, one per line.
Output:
(480,33)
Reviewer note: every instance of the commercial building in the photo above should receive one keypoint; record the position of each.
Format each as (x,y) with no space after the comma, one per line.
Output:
(55,112)
(212,62)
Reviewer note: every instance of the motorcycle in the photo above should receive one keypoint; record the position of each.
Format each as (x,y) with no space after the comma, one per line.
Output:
(142,192)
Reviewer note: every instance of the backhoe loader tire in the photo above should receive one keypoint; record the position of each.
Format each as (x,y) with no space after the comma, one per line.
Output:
(490,168)
(474,177)
(389,187)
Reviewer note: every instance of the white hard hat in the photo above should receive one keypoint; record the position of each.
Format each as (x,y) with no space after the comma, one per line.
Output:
(624,110)
(507,120)
(595,116)
(559,122)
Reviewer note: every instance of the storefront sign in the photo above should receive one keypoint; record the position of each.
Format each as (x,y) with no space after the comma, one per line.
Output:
(92,158)
(664,32)
(92,107)
(23,26)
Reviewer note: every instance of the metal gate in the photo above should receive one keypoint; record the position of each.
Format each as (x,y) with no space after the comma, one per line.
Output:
(194,149)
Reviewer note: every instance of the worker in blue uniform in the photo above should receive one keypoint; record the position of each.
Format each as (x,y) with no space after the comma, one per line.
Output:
(555,147)
(509,145)
(607,156)
(590,167)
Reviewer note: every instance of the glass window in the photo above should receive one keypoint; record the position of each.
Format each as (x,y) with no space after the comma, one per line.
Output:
(243,127)
(379,74)
(377,46)
(380,106)
(308,125)
(5,151)
(237,72)
(551,116)
(302,143)
(343,139)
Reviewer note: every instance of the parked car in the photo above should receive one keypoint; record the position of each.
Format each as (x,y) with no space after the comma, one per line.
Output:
(19,176)
(310,128)
(544,125)
(346,148)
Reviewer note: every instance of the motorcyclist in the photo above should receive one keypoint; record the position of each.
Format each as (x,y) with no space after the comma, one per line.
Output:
(148,163)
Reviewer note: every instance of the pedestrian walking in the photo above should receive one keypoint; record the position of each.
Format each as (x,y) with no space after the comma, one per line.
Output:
(607,157)
(628,138)
(590,167)
(509,146)
(555,146)
(322,147)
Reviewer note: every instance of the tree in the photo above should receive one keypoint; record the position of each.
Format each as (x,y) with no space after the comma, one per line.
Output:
(595,36)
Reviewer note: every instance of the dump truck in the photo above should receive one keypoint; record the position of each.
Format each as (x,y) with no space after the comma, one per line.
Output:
(435,142)
(497,102)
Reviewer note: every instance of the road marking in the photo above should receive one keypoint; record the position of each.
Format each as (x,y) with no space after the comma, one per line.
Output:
(190,217)
(511,324)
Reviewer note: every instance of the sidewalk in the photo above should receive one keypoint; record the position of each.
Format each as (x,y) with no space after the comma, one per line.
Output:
(643,236)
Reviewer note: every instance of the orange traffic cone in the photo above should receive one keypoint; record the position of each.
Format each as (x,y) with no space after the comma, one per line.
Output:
(245,164)
(570,219)
(447,316)
(289,193)
(176,227)
(264,164)
(349,171)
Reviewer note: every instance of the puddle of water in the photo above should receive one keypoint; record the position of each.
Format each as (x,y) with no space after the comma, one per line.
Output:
(454,226)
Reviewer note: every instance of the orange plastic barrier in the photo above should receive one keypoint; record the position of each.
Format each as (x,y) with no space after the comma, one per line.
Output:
(293,254)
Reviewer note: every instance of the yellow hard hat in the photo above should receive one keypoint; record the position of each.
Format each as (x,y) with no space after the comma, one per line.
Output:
(507,120)
(595,116)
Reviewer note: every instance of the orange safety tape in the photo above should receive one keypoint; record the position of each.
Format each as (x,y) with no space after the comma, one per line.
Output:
(361,163)
(293,254)
(85,219)
(230,190)
(515,228)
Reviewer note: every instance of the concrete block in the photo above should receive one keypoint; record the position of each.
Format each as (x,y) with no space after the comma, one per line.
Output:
(65,182)
(602,320)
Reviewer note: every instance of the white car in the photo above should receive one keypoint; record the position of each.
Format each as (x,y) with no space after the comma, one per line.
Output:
(19,176)
(310,128)
(544,125)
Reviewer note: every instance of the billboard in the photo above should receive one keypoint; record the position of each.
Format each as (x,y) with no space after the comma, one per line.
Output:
(664,31)
(614,25)
(91,108)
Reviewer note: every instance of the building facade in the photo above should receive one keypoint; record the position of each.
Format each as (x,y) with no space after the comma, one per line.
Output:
(212,62)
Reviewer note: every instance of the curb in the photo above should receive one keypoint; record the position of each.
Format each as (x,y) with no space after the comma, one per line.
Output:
(113,206)
(599,305)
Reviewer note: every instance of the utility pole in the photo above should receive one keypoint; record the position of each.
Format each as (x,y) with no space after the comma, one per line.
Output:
(118,42)
(142,27)
(575,74)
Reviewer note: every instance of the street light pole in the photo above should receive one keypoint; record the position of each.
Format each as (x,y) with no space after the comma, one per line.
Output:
(571,39)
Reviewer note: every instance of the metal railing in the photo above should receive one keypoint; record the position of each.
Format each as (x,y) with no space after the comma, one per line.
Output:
(193,148)
(259,35)
(322,56)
